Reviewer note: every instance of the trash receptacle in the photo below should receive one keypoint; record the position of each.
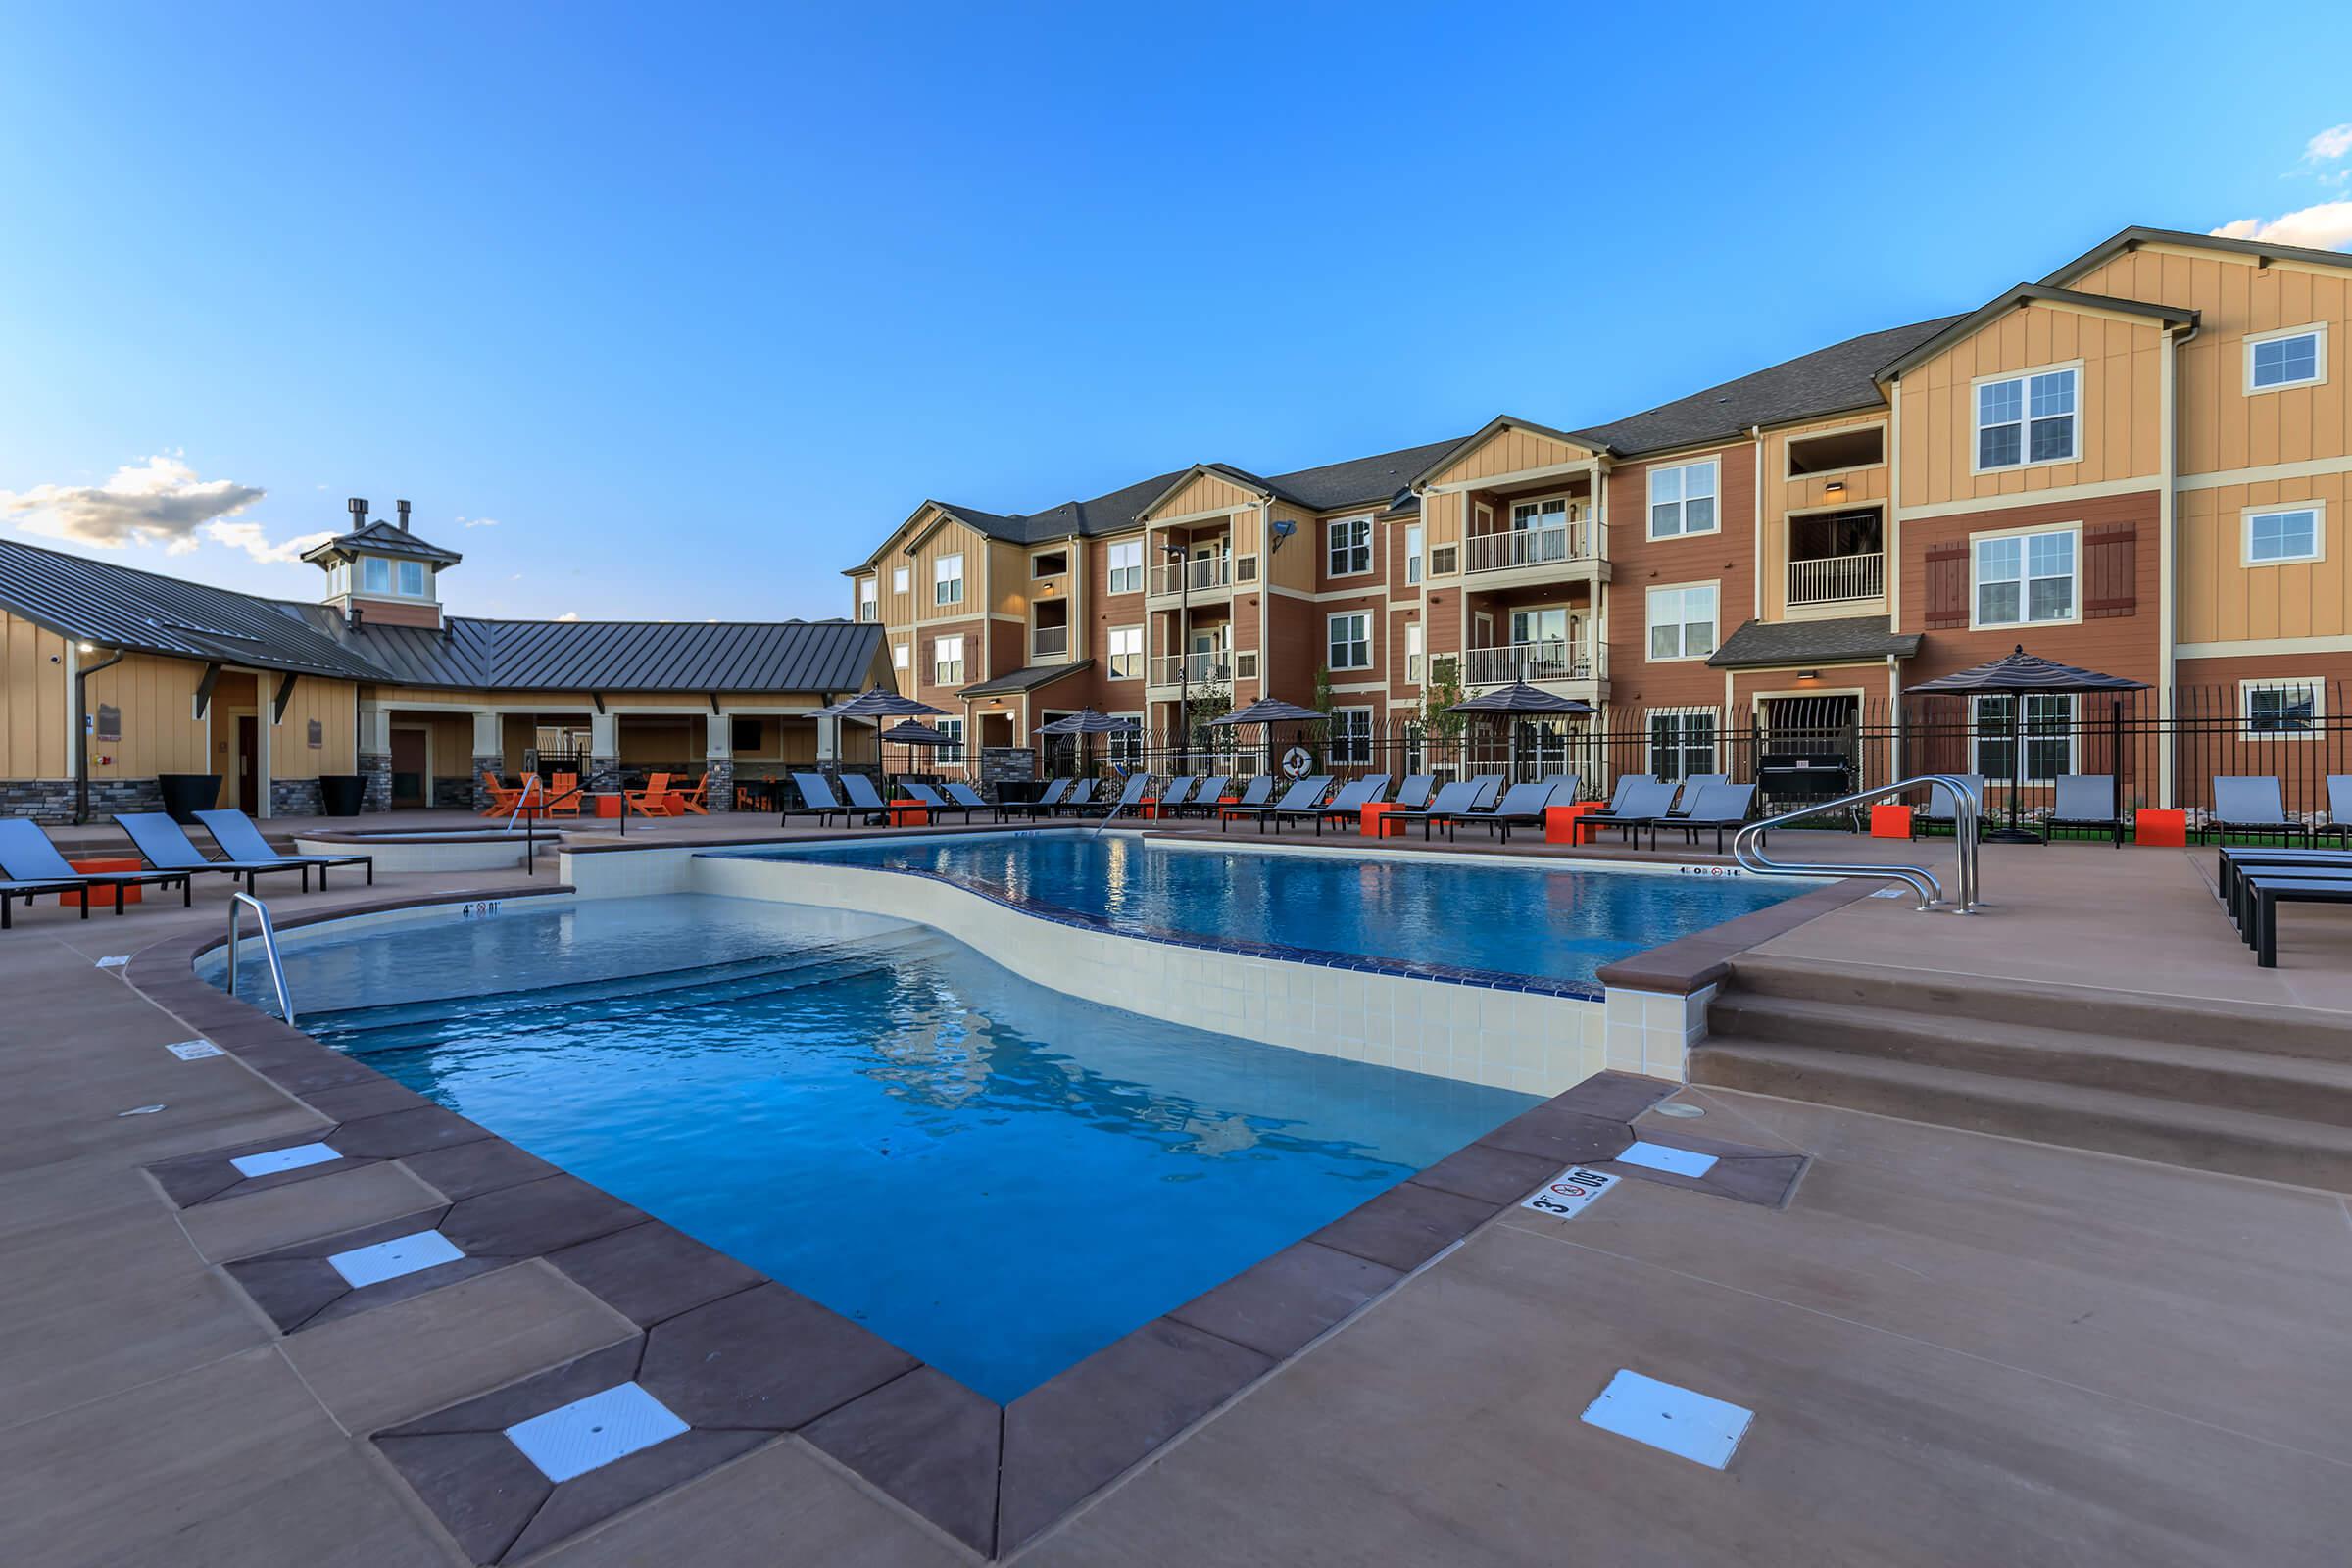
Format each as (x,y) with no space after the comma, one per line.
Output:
(186,794)
(341,794)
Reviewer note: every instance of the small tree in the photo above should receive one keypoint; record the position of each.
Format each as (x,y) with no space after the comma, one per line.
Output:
(1444,689)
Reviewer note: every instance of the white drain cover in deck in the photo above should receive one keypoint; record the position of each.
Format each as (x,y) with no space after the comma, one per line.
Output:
(1674,1161)
(269,1161)
(389,1260)
(585,1435)
(1686,1424)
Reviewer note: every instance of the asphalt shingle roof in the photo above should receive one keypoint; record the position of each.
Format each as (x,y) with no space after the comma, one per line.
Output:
(1028,679)
(1799,642)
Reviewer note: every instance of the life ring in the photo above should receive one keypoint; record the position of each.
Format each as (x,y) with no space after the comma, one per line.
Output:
(1296,762)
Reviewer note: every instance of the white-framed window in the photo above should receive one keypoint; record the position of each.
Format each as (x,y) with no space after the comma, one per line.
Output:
(1349,547)
(1413,645)
(375,574)
(2277,535)
(2029,419)
(411,578)
(867,610)
(898,579)
(1682,743)
(1351,640)
(1126,652)
(900,656)
(1351,737)
(2028,579)
(1125,749)
(1412,553)
(953,729)
(2281,709)
(1682,622)
(1682,499)
(1551,512)
(2294,356)
(2049,736)
(947,580)
(1126,567)
(947,661)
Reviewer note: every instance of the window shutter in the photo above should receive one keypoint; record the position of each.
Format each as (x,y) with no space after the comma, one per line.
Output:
(2110,570)
(1948,585)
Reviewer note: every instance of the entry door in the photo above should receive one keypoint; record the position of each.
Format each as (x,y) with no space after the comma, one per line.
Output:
(407,767)
(249,763)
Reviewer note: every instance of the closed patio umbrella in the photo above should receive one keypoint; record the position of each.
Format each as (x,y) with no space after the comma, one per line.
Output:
(877,705)
(1268,712)
(2018,675)
(1086,721)
(1516,701)
(911,733)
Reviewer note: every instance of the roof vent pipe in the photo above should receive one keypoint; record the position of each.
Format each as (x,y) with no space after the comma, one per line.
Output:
(403,514)
(356,506)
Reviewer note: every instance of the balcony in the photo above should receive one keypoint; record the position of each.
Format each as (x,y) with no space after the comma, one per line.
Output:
(1192,669)
(1836,579)
(1192,578)
(1529,552)
(1049,642)
(1551,659)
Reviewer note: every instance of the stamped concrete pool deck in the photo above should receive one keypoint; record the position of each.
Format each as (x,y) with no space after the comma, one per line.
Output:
(1957,1348)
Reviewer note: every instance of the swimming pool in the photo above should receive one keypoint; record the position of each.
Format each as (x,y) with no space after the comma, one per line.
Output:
(1439,917)
(996,1177)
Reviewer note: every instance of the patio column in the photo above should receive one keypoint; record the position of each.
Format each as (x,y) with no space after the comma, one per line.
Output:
(718,760)
(604,754)
(375,757)
(489,753)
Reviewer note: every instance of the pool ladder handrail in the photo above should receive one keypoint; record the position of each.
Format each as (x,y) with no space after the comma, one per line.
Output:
(269,933)
(1966,813)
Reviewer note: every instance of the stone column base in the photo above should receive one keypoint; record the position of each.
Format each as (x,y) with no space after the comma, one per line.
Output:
(52,800)
(604,775)
(296,797)
(375,769)
(720,796)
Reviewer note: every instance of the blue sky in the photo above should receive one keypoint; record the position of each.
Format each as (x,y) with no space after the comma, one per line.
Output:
(693,306)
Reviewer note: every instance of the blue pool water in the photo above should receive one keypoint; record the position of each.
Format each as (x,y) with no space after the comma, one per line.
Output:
(994,1176)
(1424,916)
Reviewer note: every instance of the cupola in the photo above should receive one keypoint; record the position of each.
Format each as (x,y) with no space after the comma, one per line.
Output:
(380,572)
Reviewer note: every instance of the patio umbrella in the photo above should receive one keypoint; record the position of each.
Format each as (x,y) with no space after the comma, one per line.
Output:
(2018,675)
(1086,721)
(1518,700)
(876,705)
(911,733)
(1269,711)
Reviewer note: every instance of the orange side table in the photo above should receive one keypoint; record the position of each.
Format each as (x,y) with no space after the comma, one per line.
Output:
(2158,826)
(72,899)
(1373,822)
(1147,807)
(1890,822)
(1565,824)
(1224,800)
(908,813)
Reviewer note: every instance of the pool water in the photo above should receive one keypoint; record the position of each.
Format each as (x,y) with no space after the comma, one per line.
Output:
(996,1177)
(1439,917)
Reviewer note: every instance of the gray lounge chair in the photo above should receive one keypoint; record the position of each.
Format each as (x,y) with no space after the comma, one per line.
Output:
(1255,796)
(1724,808)
(240,840)
(1521,803)
(11,891)
(1450,801)
(1043,805)
(1349,803)
(2250,803)
(1172,799)
(1300,797)
(1643,805)
(1204,798)
(168,848)
(27,856)
(864,798)
(970,798)
(1131,796)
(1490,785)
(2340,809)
(935,803)
(1081,799)
(1413,794)
(2262,891)
(2086,800)
(1942,810)
(817,799)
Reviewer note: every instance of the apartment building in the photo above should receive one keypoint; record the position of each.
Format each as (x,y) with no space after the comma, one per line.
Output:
(2128,465)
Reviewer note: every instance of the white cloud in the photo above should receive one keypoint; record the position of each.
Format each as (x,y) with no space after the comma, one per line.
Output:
(2326,227)
(478,523)
(570,614)
(2329,144)
(248,537)
(157,501)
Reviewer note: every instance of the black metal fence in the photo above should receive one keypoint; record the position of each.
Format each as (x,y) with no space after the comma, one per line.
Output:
(1817,746)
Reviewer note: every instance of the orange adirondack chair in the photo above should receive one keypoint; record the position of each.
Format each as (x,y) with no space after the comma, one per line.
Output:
(563,795)
(502,799)
(651,801)
(695,800)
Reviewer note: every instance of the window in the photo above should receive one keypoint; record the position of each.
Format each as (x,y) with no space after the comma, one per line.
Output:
(1547,513)
(947,661)
(1682,499)
(1351,641)
(2049,737)
(1412,650)
(2294,357)
(1125,749)
(1682,622)
(2275,535)
(2026,418)
(411,578)
(897,656)
(1412,553)
(1050,563)
(1126,652)
(2026,579)
(745,736)
(375,574)
(947,580)
(1245,665)
(898,579)
(1836,451)
(953,729)
(1127,567)
(1682,744)
(2281,710)
(1351,550)
(1445,560)
(1351,737)
(866,610)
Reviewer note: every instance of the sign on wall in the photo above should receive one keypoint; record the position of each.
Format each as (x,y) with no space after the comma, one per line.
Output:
(110,722)
(318,734)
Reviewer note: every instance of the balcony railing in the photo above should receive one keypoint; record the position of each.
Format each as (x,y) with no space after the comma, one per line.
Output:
(1050,642)
(1192,669)
(1836,579)
(869,610)
(1552,658)
(1507,548)
(1192,576)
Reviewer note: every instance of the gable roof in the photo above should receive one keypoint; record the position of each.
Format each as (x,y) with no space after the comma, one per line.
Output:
(1964,328)
(1493,427)
(1834,380)
(381,539)
(1845,638)
(2130,239)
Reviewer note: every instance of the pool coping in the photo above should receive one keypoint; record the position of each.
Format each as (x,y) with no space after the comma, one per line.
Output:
(991,1477)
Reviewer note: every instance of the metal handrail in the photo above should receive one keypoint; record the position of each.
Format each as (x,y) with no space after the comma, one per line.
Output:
(277,967)
(1967,810)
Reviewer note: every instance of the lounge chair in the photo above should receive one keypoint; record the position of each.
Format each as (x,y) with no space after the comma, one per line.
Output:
(1204,799)
(1346,807)
(1413,794)
(503,800)
(971,800)
(1043,805)
(695,800)
(1131,797)
(1173,797)
(1300,797)
(1253,797)
(1080,800)
(1489,786)
(859,791)
(2262,891)
(2340,809)
(651,801)
(1942,810)
(1643,805)
(11,891)
(240,840)
(27,856)
(563,795)
(2250,803)
(934,803)
(817,799)
(1451,801)
(2086,800)
(1723,808)
(1523,803)
(1625,785)
(2237,864)
(168,848)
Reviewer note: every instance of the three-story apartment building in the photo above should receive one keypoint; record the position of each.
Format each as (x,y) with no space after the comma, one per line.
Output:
(2127,465)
